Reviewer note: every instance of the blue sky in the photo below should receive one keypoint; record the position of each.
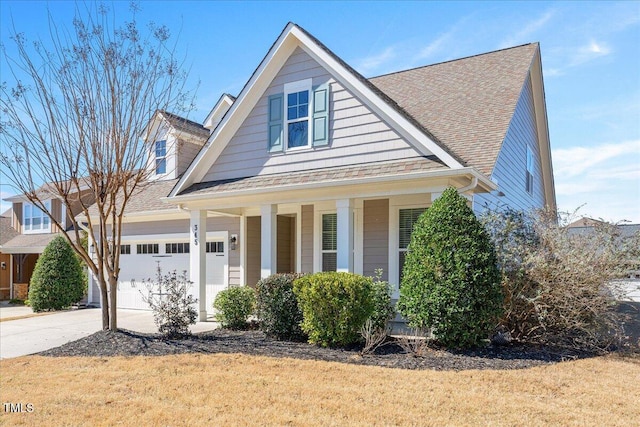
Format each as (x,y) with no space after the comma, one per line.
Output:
(590,55)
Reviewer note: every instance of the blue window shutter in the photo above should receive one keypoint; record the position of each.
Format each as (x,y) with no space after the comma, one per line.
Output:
(320,118)
(276,116)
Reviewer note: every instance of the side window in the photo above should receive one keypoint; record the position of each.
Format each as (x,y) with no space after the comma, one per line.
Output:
(161,157)
(329,242)
(407,220)
(215,247)
(530,170)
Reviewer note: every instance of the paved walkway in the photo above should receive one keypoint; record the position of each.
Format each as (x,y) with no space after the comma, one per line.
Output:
(32,335)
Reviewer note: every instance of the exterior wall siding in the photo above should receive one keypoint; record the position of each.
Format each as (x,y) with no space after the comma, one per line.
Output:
(376,237)
(254,227)
(307,239)
(187,151)
(511,165)
(356,134)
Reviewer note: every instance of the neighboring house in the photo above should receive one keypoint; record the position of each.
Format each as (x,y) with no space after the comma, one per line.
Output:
(32,232)
(7,232)
(314,167)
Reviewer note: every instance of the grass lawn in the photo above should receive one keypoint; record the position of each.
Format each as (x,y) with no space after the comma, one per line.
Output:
(206,390)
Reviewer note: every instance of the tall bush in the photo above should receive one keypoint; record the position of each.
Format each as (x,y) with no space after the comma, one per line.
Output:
(450,281)
(334,306)
(58,280)
(277,307)
(234,306)
(559,283)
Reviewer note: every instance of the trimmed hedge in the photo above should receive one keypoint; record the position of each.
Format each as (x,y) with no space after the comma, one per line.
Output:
(234,306)
(334,306)
(58,280)
(451,283)
(277,307)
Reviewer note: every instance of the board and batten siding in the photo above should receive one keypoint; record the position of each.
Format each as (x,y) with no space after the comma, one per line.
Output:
(376,237)
(307,239)
(356,135)
(511,165)
(232,225)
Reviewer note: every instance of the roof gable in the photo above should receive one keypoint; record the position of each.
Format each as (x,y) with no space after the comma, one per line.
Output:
(466,103)
(291,38)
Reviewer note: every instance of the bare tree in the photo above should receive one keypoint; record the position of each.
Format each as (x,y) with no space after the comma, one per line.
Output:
(73,116)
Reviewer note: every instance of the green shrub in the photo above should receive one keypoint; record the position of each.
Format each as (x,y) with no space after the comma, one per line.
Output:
(451,283)
(234,306)
(383,310)
(58,280)
(277,307)
(334,306)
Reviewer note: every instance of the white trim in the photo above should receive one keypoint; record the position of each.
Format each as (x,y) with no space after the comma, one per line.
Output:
(292,37)
(319,209)
(395,204)
(224,103)
(289,88)
(243,250)
(268,240)
(358,244)
(345,234)
(10,276)
(299,239)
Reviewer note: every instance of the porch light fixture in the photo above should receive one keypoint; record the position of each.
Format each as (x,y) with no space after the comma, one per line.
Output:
(233,241)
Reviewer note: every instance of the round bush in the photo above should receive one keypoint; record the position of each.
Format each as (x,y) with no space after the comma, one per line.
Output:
(277,307)
(334,306)
(58,280)
(234,306)
(451,283)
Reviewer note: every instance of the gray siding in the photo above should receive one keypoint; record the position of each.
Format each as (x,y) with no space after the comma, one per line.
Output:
(356,134)
(511,166)
(376,237)
(187,151)
(253,266)
(307,239)
(232,225)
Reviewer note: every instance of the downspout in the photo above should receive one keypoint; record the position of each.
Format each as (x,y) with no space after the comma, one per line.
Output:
(472,186)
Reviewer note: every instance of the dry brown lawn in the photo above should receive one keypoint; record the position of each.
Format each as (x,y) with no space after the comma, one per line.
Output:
(192,390)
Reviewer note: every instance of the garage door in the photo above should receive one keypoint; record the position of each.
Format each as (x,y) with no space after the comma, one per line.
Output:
(139,261)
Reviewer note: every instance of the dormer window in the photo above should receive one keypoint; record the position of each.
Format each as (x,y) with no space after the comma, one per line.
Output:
(161,157)
(34,220)
(299,117)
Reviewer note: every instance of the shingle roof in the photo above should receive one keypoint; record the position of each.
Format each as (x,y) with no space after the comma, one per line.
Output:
(147,198)
(329,175)
(185,124)
(33,242)
(468,103)
(7,232)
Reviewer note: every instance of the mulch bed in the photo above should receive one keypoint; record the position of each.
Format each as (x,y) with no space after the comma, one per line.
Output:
(392,355)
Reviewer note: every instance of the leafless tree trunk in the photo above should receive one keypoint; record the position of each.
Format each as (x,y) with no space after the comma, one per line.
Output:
(74,120)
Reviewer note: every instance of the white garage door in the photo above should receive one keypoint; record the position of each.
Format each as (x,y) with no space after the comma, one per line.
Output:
(139,261)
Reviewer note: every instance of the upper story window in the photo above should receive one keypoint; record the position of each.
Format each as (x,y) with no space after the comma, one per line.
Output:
(34,220)
(161,157)
(299,117)
(530,171)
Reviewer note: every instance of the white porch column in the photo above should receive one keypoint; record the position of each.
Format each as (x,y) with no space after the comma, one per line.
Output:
(344,209)
(268,240)
(197,259)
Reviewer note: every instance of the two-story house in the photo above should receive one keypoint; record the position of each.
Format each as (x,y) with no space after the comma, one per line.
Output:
(27,231)
(314,167)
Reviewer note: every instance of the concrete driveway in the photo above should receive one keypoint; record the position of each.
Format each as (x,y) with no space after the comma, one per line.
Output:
(32,335)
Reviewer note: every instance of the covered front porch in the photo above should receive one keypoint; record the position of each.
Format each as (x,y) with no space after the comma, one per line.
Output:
(356,224)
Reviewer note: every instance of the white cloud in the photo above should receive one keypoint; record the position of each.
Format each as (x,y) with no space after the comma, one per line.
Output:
(588,52)
(605,178)
(524,35)
(569,162)
(374,62)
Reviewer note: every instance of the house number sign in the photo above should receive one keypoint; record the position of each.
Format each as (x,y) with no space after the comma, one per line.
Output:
(195,234)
